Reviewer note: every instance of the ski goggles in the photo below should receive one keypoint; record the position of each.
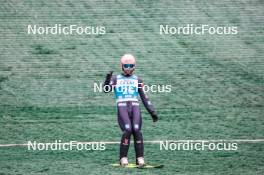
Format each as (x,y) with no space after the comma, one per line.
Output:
(127,66)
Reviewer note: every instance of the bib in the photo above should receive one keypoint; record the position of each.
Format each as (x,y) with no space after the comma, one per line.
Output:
(126,88)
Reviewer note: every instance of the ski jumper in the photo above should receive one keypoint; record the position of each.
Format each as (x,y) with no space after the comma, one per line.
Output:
(127,89)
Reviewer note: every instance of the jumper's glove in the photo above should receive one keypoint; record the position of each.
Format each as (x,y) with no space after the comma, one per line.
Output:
(107,81)
(108,78)
(154,117)
(109,75)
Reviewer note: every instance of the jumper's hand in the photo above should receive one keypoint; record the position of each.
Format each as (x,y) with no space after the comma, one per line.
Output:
(107,82)
(109,75)
(154,117)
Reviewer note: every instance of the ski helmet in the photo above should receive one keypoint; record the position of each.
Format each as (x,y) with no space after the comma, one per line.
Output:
(128,63)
